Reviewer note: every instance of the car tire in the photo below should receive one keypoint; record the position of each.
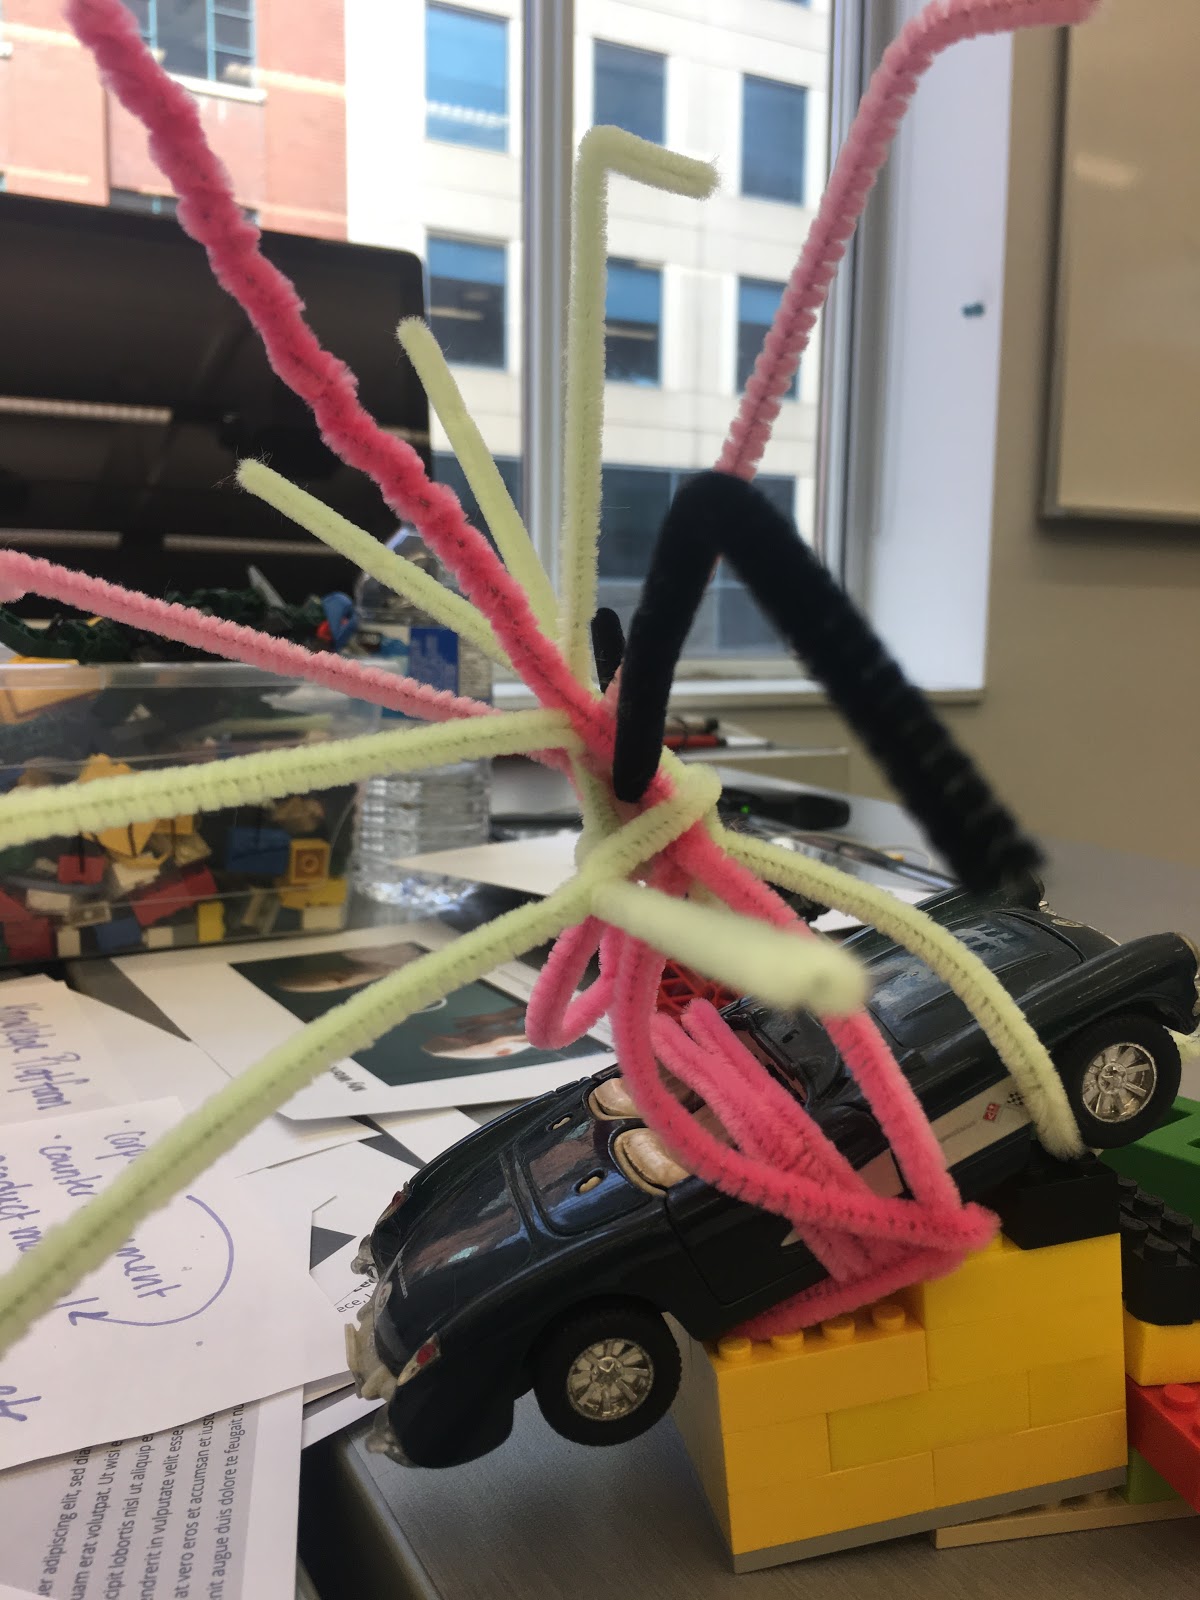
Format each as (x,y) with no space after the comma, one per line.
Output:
(606,1374)
(1121,1076)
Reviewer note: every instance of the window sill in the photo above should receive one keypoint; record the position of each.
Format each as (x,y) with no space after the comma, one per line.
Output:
(220,91)
(5,49)
(756,693)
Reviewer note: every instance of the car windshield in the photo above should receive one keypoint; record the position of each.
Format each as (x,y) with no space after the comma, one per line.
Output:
(917,1008)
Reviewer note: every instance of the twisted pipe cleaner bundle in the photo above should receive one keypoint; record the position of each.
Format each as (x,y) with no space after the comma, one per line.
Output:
(656,878)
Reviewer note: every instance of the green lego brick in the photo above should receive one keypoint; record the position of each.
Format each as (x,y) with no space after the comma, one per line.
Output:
(1166,1162)
(1144,1486)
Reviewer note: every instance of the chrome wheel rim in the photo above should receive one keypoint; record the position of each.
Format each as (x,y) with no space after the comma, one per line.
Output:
(609,1380)
(1119,1082)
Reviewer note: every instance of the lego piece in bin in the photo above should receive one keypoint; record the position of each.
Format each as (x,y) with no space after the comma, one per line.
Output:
(162,899)
(186,849)
(299,814)
(257,852)
(25,698)
(261,911)
(68,943)
(127,876)
(89,913)
(49,902)
(160,938)
(210,922)
(327,892)
(84,867)
(30,940)
(121,933)
(11,909)
(201,883)
(322,919)
(308,862)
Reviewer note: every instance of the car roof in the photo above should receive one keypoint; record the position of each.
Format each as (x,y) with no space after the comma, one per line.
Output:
(916,1008)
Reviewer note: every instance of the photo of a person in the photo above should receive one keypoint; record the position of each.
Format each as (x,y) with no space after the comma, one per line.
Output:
(477,1029)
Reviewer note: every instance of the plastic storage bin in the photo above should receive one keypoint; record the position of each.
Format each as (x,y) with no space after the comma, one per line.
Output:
(248,873)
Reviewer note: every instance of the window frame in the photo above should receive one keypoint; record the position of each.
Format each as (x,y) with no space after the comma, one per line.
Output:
(212,10)
(870,408)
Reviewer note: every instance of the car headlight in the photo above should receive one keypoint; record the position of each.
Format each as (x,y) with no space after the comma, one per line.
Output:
(425,1356)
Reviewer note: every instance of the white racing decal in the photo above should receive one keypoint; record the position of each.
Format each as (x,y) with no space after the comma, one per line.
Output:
(983,1120)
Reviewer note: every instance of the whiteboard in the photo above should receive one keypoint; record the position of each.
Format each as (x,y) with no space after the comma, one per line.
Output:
(1125,402)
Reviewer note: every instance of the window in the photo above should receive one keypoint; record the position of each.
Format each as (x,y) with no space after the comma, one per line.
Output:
(773,139)
(150,205)
(758,301)
(467,300)
(628,90)
(466,78)
(633,505)
(200,38)
(447,470)
(632,318)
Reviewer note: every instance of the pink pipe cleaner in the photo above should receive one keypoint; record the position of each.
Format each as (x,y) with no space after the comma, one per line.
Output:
(786,1165)
(19,574)
(892,86)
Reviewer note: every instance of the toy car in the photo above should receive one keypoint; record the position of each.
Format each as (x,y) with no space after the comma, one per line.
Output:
(544,1251)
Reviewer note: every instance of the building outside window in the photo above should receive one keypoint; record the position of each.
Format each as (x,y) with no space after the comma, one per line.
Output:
(200,38)
(148,205)
(447,470)
(774,129)
(758,302)
(467,282)
(629,90)
(633,504)
(632,323)
(466,78)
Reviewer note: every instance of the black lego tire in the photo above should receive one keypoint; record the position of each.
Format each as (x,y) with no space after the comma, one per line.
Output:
(1075,1056)
(650,1345)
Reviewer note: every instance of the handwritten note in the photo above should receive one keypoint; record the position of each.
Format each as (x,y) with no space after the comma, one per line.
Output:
(202,1511)
(202,1309)
(48,1061)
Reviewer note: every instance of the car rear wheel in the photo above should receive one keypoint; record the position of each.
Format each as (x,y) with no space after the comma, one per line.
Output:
(606,1374)
(1121,1076)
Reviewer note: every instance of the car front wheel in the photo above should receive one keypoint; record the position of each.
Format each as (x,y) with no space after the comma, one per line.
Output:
(606,1374)
(1121,1077)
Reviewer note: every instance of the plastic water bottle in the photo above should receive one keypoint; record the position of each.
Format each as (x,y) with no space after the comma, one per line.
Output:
(438,808)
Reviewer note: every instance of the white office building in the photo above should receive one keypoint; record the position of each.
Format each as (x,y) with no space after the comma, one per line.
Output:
(435,166)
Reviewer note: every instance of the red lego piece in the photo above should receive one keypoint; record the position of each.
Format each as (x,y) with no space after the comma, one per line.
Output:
(12,910)
(161,899)
(81,868)
(201,884)
(32,939)
(680,986)
(1164,1426)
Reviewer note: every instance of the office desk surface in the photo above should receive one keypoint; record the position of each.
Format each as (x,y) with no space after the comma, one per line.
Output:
(541,1518)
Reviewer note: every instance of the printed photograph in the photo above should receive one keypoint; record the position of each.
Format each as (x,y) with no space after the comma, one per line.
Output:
(476,1029)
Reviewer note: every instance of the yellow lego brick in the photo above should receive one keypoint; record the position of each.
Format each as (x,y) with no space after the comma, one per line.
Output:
(1023,1460)
(210,921)
(1002,1280)
(1056,1333)
(325,892)
(1071,1389)
(1155,1355)
(786,1452)
(786,1512)
(918,1422)
(308,861)
(873,1355)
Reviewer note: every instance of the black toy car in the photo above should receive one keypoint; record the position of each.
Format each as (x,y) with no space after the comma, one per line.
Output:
(543,1251)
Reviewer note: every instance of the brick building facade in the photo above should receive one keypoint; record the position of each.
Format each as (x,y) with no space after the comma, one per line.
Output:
(278,123)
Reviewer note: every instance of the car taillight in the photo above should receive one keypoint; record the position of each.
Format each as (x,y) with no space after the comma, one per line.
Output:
(393,1205)
(425,1356)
